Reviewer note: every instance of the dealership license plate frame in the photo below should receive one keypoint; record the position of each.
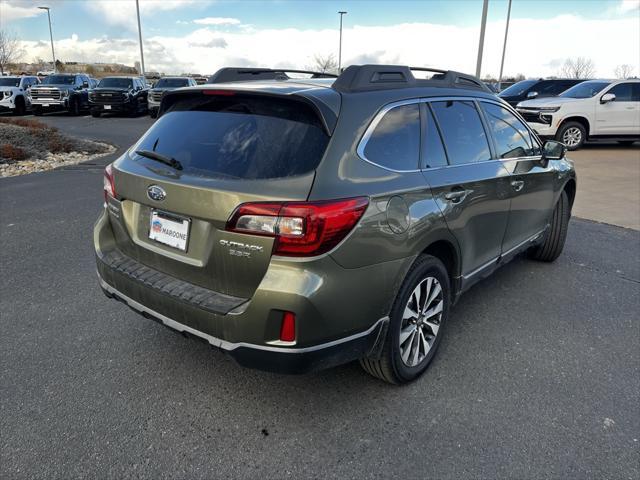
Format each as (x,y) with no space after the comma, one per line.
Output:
(172,220)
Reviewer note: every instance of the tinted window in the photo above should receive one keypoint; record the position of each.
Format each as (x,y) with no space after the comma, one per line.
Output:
(238,137)
(395,142)
(59,80)
(553,87)
(622,92)
(172,83)
(113,82)
(512,137)
(10,82)
(433,152)
(635,92)
(462,132)
(517,88)
(585,89)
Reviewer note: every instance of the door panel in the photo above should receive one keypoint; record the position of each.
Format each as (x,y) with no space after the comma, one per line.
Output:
(619,117)
(474,200)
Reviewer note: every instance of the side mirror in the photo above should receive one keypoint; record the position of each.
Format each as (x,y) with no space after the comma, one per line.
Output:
(85,84)
(552,150)
(532,94)
(607,97)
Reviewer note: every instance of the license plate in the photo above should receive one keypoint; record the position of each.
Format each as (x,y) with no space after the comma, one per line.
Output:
(45,104)
(107,107)
(169,230)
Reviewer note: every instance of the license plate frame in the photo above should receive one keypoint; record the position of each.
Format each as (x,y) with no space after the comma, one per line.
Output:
(107,107)
(171,222)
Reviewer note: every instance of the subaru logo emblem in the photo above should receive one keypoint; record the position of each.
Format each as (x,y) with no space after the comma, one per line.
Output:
(154,192)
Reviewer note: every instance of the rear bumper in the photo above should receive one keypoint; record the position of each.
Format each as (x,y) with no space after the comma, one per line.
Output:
(271,358)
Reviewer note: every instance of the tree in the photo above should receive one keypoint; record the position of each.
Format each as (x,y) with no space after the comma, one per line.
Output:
(60,66)
(9,50)
(580,67)
(324,64)
(623,71)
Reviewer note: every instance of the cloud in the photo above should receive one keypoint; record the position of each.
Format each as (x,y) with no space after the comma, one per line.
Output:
(626,6)
(416,44)
(217,21)
(10,11)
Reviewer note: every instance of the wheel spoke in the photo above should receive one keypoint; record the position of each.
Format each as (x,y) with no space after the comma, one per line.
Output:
(406,333)
(434,310)
(425,344)
(409,312)
(436,291)
(407,350)
(433,326)
(416,349)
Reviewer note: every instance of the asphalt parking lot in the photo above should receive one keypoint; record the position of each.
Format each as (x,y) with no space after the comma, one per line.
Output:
(538,375)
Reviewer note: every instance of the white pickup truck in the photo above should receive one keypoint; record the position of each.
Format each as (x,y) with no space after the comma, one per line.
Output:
(595,109)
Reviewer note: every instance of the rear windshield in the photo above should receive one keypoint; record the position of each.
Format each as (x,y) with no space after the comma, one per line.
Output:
(59,80)
(238,136)
(115,83)
(172,83)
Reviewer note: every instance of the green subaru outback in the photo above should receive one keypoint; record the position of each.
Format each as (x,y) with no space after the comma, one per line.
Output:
(301,223)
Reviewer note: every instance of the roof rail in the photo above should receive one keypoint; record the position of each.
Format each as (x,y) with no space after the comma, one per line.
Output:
(243,74)
(362,78)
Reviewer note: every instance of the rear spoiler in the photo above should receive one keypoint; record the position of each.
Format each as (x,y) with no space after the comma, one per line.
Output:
(328,114)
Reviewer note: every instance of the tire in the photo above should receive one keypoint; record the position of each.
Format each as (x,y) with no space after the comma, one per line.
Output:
(74,107)
(21,107)
(153,113)
(391,367)
(37,111)
(572,134)
(95,113)
(553,243)
(626,143)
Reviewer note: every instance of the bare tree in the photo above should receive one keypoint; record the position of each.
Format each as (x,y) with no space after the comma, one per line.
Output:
(9,50)
(324,64)
(624,71)
(580,67)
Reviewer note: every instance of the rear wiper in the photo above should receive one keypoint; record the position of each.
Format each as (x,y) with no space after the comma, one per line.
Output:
(172,162)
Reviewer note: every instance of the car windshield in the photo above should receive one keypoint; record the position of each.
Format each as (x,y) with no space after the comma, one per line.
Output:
(9,82)
(517,88)
(172,83)
(240,137)
(584,90)
(59,80)
(115,83)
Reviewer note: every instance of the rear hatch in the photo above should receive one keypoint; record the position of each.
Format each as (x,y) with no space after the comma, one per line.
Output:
(226,148)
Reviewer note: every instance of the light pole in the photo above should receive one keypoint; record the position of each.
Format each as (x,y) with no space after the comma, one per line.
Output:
(140,38)
(485,6)
(504,47)
(53,53)
(340,48)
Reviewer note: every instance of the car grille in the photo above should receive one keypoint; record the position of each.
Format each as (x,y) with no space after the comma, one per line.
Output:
(156,96)
(107,97)
(45,94)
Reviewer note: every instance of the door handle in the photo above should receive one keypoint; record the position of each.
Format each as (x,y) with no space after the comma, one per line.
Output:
(517,185)
(456,195)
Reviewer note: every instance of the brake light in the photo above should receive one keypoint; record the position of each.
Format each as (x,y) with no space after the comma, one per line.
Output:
(301,229)
(222,93)
(108,183)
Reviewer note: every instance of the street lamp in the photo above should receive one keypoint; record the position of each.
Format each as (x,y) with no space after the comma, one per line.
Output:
(483,24)
(140,38)
(340,49)
(53,54)
(504,47)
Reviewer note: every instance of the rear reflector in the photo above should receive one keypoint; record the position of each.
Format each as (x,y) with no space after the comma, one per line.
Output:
(301,229)
(288,327)
(109,185)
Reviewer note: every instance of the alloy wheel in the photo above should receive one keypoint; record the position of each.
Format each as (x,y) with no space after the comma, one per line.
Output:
(421,321)
(572,136)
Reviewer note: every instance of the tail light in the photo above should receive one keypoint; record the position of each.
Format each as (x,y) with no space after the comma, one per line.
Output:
(301,229)
(109,185)
(288,327)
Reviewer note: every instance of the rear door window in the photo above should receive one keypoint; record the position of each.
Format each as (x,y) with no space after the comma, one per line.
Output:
(239,136)
(512,138)
(395,141)
(462,131)
(623,92)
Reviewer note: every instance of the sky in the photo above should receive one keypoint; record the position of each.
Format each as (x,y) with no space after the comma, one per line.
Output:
(204,35)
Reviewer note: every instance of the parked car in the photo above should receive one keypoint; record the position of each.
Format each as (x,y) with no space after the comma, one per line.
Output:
(119,95)
(530,89)
(595,109)
(14,93)
(303,223)
(61,92)
(164,85)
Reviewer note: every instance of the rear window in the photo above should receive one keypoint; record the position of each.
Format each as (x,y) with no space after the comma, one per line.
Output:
(172,83)
(240,136)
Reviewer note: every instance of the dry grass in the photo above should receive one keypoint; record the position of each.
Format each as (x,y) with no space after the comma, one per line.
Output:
(13,154)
